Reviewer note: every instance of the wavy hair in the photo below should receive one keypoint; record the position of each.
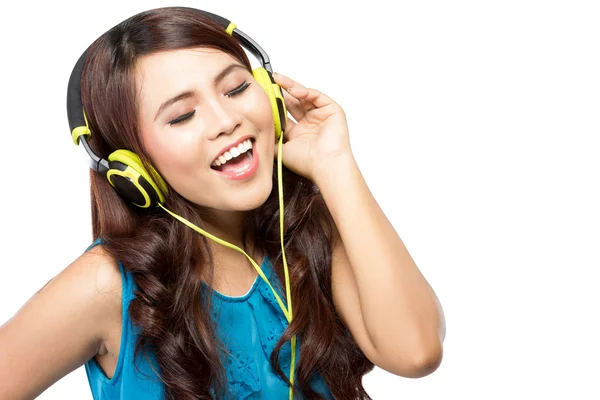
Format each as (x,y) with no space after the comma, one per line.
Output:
(164,256)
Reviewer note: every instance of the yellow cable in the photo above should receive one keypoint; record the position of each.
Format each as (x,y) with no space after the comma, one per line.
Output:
(231,246)
(285,266)
(286,311)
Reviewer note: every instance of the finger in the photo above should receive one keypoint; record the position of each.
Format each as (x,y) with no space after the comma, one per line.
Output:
(288,84)
(293,106)
(311,96)
(303,94)
(284,81)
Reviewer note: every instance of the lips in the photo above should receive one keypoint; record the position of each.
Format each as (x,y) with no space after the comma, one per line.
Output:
(241,172)
(234,144)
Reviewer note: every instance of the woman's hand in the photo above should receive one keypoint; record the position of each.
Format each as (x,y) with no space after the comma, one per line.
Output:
(319,138)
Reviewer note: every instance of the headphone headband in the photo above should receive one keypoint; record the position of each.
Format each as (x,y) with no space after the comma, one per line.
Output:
(75,113)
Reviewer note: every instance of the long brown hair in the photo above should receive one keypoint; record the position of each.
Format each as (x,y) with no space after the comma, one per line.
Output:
(164,255)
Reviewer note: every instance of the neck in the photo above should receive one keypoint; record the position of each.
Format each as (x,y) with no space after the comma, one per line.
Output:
(228,226)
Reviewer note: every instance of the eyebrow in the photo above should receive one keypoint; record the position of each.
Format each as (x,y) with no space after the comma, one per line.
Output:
(189,93)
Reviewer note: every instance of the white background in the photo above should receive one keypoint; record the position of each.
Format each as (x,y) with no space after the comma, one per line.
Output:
(476,125)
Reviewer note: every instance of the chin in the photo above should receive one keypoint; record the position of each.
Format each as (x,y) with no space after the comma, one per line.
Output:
(255,197)
(247,198)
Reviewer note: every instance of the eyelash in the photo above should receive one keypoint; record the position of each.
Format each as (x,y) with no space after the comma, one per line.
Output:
(182,117)
(233,93)
(238,89)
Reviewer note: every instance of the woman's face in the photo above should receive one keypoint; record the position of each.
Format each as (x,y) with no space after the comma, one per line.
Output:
(194,105)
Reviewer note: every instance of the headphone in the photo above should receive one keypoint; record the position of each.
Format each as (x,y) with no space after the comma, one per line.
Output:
(145,189)
(124,169)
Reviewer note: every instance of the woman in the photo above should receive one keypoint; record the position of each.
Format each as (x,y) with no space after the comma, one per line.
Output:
(155,310)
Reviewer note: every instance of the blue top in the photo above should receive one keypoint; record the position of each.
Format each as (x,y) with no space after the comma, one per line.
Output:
(249,326)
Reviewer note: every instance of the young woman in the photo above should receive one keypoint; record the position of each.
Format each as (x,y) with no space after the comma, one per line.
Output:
(155,310)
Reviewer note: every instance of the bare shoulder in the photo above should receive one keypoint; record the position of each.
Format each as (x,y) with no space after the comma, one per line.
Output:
(98,274)
(94,279)
(62,326)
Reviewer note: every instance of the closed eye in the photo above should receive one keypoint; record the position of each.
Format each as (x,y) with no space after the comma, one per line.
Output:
(238,89)
(182,118)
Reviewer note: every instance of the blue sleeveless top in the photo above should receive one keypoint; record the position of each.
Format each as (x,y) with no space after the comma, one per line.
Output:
(249,326)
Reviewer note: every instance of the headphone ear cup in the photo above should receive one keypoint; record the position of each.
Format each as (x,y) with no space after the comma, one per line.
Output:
(264,79)
(132,181)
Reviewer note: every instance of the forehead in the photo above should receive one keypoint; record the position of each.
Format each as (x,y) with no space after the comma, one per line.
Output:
(165,73)
(200,60)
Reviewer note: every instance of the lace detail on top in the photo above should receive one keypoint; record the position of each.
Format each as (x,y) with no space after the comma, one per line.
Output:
(250,329)
(243,379)
(247,326)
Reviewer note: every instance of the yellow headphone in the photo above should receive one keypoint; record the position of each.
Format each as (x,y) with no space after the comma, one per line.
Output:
(125,172)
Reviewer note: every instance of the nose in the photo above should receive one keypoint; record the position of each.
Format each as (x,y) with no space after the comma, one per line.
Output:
(220,119)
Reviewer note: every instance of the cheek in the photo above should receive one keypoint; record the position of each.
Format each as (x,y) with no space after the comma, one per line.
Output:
(259,110)
(173,155)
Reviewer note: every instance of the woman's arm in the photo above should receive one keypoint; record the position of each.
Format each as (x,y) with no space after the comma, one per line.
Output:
(61,327)
(379,293)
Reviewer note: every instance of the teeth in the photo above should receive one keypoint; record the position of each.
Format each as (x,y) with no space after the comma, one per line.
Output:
(233,153)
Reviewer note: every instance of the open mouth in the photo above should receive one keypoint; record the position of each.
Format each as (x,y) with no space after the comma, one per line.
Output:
(236,160)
